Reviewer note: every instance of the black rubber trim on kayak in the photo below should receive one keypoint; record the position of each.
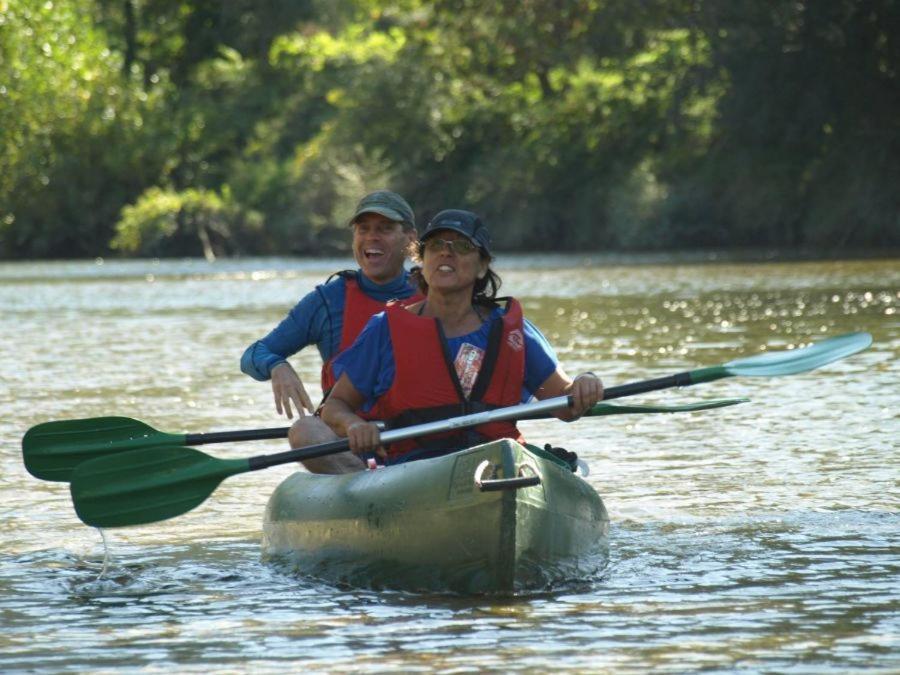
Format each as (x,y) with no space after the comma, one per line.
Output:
(540,452)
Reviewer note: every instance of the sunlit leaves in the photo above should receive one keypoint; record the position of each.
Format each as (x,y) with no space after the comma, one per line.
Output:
(192,222)
(357,44)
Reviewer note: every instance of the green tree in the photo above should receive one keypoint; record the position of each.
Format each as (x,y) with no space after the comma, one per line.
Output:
(69,122)
(806,149)
(586,124)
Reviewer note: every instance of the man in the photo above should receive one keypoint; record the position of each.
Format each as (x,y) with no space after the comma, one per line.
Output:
(332,315)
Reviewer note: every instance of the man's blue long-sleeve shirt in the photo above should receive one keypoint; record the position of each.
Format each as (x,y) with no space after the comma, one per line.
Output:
(317,319)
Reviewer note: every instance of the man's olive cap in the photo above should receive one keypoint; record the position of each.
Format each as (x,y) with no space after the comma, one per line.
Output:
(388,204)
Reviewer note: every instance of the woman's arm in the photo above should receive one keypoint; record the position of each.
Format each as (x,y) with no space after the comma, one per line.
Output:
(338,413)
(586,389)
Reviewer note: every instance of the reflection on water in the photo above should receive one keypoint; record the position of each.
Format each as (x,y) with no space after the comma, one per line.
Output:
(533,579)
(763,537)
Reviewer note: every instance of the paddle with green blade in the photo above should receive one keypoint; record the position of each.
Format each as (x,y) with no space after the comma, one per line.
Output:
(52,450)
(141,486)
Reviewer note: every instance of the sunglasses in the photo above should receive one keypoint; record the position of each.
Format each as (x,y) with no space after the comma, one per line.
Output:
(458,246)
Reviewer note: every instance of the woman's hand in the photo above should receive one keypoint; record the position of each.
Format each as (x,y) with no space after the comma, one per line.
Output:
(338,412)
(287,388)
(585,391)
(364,437)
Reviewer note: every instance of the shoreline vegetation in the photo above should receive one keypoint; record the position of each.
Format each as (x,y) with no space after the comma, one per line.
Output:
(192,128)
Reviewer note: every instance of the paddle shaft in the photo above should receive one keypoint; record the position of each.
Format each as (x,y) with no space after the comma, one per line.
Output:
(515,412)
(684,379)
(523,411)
(240,435)
(678,380)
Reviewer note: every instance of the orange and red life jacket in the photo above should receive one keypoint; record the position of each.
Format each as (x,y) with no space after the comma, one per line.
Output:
(358,309)
(426,386)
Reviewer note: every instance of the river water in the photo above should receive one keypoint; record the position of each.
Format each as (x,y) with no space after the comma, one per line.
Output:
(759,538)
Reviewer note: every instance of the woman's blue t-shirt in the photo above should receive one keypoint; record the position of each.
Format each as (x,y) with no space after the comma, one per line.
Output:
(369,361)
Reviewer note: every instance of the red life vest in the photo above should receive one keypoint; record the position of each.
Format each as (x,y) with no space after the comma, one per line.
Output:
(358,309)
(426,386)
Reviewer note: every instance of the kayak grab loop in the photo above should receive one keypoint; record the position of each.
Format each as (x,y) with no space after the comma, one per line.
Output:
(522,478)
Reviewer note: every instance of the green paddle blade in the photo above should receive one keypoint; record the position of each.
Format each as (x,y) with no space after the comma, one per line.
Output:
(52,450)
(602,409)
(144,486)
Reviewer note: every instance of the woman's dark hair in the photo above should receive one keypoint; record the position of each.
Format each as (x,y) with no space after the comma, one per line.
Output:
(485,291)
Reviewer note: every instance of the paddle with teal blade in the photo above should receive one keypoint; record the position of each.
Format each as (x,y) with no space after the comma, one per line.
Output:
(772,364)
(52,450)
(148,485)
(151,484)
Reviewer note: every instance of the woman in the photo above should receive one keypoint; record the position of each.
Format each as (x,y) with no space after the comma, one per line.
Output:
(454,353)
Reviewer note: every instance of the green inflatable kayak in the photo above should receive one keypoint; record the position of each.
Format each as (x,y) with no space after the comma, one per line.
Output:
(498,517)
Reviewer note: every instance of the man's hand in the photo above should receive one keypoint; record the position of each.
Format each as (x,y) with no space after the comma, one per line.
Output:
(287,387)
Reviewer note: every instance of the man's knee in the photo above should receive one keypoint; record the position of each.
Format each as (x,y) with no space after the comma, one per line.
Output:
(309,430)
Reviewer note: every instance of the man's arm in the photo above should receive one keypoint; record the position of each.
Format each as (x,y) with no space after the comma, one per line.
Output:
(307,323)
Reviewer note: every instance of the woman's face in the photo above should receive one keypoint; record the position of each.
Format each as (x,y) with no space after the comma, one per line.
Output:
(446,268)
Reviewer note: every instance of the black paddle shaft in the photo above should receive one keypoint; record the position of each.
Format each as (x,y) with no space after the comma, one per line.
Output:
(678,380)
(244,435)
(298,454)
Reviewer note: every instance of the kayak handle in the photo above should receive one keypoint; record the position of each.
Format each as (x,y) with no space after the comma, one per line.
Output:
(521,480)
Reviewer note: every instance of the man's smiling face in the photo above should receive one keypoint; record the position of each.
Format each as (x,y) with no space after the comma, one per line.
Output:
(380,246)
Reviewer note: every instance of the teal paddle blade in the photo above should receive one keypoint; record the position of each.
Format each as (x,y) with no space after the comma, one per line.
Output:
(800,360)
(145,486)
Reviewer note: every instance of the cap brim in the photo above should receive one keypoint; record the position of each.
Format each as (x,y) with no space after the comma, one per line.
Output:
(382,211)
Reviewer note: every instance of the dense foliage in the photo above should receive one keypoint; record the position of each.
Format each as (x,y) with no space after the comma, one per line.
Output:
(189,127)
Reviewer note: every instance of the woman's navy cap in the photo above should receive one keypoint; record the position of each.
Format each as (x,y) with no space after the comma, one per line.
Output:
(465,222)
